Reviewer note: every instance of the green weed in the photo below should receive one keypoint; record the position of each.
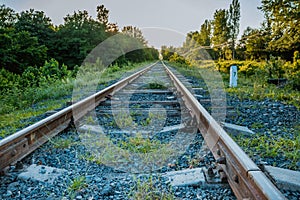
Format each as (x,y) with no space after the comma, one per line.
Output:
(90,120)
(139,144)
(156,85)
(257,125)
(62,143)
(77,184)
(122,120)
(14,121)
(272,146)
(147,190)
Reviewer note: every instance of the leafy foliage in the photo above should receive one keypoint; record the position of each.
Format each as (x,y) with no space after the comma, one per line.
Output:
(37,24)
(233,21)
(20,50)
(283,18)
(29,38)
(221,29)
(7,17)
(31,94)
(79,34)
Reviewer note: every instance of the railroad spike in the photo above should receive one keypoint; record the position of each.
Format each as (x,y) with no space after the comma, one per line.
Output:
(219,152)
(210,172)
(19,165)
(236,178)
(221,160)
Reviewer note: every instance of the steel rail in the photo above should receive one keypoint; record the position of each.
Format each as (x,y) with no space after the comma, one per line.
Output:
(244,176)
(17,146)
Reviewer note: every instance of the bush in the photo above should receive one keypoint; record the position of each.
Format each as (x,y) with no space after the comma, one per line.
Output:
(249,68)
(179,59)
(52,70)
(35,84)
(295,80)
(8,80)
(30,77)
(275,67)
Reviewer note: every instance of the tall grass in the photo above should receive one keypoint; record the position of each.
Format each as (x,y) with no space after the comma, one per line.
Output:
(21,104)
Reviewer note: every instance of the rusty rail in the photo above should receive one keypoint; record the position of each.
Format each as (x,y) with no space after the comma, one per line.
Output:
(244,176)
(17,146)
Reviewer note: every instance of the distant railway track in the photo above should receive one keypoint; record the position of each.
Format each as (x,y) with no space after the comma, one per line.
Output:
(244,176)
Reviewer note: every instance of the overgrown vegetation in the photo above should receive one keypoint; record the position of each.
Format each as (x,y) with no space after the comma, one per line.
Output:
(138,144)
(254,79)
(156,85)
(63,142)
(39,61)
(147,190)
(29,38)
(272,146)
(33,85)
(253,84)
(144,152)
(21,103)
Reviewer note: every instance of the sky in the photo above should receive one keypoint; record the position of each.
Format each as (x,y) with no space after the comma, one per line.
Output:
(163,22)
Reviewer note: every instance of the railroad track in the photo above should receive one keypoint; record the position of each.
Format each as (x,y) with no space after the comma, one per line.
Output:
(246,179)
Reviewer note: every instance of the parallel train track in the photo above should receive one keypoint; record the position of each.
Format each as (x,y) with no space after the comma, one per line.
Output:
(244,176)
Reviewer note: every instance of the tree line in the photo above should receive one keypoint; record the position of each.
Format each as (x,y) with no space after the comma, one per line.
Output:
(29,38)
(278,36)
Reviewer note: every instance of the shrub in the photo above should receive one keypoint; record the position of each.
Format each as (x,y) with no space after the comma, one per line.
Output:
(8,80)
(249,68)
(179,59)
(295,80)
(275,68)
(52,70)
(30,77)
(224,66)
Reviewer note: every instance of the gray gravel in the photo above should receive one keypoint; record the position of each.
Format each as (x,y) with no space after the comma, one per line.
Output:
(99,181)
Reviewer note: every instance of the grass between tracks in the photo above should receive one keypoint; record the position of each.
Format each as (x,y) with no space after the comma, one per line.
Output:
(148,190)
(20,107)
(284,147)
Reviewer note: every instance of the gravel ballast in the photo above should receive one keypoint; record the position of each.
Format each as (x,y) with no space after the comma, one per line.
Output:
(88,178)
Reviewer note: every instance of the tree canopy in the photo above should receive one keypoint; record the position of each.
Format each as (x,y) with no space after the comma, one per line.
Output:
(279,34)
(30,38)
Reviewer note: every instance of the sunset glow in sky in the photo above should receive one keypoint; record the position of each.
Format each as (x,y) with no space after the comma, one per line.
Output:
(175,16)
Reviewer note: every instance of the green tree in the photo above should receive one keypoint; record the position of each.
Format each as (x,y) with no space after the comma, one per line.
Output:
(284,19)
(38,25)
(7,17)
(20,50)
(102,15)
(167,52)
(221,31)
(134,36)
(79,34)
(135,33)
(255,43)
(205,34)
(112,28)
(233,22)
